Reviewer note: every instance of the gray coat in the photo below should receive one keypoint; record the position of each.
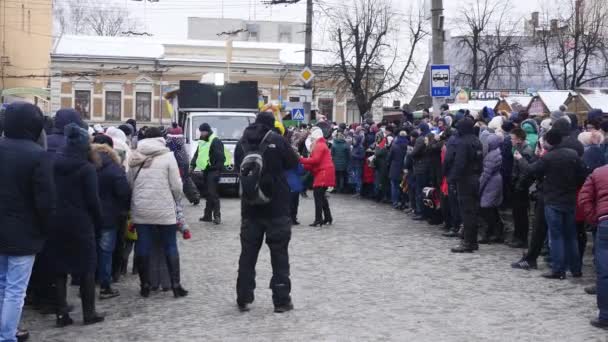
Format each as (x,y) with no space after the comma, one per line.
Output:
(491,178)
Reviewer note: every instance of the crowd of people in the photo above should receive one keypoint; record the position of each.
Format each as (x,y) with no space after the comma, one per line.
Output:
(467,171)
(75,201)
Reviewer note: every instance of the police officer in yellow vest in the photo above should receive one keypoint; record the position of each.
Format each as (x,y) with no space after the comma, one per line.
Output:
(209,158)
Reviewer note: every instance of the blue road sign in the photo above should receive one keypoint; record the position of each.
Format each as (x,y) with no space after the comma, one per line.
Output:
(440,81)
(297,114)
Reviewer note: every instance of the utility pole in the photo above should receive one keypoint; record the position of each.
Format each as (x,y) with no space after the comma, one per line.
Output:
(308,61)
(437,46)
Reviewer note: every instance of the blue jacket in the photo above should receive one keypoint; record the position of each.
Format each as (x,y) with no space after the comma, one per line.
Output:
(294,178)
(63,117)
(114,190)
(396,157)
(357,154)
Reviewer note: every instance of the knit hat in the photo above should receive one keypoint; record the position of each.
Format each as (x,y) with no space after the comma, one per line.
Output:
(204,127)
(103,139)
(556,115)
(265,119)
(507,126)
(76,137)
(23,121)
(154,132)
(545,125)
(553,137)
(126,129)
(594,114)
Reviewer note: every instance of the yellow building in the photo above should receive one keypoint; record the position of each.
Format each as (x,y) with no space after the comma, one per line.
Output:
(26,37)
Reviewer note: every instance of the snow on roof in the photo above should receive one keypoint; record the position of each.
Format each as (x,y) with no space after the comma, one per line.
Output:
(108,46)
(554,98)
(524,101)
(596,101)
(473,105)
(155,48)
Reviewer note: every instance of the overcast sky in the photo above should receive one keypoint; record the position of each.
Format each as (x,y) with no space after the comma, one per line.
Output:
(168,18)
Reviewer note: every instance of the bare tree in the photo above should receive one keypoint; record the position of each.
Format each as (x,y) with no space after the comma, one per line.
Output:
(489,39)
(574,42)
(87,17)
(370,62)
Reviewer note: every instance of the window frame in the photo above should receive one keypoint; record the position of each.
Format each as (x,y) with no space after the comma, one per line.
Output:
(151,97)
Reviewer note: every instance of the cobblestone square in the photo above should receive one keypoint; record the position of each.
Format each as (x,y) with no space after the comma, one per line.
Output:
(374,275)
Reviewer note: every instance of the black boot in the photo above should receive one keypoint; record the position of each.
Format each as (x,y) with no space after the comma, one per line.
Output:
(217,218)
(465,248)
(143,266)
(62,310)
(174,274)
(90,316)
(207,216)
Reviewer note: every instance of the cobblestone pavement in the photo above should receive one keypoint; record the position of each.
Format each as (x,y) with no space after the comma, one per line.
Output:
(375,275)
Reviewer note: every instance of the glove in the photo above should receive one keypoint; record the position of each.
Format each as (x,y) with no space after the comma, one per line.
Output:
(186,234)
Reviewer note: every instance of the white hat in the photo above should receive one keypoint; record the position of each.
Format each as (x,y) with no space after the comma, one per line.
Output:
(316,133)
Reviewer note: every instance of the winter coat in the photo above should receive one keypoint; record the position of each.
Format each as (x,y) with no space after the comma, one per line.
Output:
(357,154)
(531,128)
(114,191)
(380,163)
(420,157)
(468,157)
(519,178)
(155,183)
(175,143)
(71,247)
(593,157)
(435,164)
(217,157)
(120,145)
(294,178)
(396,158)
(593,197)
(490,182)
(562,171)
(63,117)
(450,153)
(278,159)
(570,137)
(27,187)
(340,154)
(506,151)
(321,165)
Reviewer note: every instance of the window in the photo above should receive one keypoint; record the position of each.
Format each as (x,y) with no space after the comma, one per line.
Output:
(113,105)
(284,33)
(82,103)
(294,99)
(253,30)
(326,107)
(143,106)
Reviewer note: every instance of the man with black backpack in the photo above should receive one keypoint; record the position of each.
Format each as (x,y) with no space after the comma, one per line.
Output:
(262,157)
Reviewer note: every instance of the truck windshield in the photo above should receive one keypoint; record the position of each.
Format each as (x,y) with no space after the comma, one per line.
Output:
(226,127)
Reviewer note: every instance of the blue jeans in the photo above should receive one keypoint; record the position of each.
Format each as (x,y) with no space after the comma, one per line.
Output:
(395,192)
(15,272)
(106,242)
(601,266)
(146,233)
(357,177)
(564,244)
(421,183)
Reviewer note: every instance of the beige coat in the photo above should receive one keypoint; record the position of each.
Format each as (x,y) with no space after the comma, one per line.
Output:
(157,185)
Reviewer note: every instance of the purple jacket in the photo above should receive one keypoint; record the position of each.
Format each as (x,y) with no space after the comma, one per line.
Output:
(490,183)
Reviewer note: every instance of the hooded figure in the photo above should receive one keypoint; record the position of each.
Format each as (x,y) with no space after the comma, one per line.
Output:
(121,145)
(496,125)
(63,117)
(531,128)
(564,128)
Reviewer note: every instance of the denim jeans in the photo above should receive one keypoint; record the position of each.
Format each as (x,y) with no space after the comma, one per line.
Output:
(106,242)
(145,239)
(601,266)
(15,272)
(562,234)
(395,192)
(357,177)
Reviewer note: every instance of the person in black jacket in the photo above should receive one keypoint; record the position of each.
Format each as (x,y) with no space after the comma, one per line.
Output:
(114,193)
(271,219)
(209,159)
(563,172)
(421,159)
(465,173)
(27,200)
(71,247)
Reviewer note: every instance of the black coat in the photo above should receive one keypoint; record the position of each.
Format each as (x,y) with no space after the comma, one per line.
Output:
(421,157)
(562,172)
(396,158)
(278,158)
(114,190)
(71,246)
(27,190)
(468,157)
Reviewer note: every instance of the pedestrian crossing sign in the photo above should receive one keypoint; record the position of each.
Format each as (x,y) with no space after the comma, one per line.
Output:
(297,114)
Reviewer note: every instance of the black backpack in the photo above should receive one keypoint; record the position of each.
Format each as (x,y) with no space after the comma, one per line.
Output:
(251,173)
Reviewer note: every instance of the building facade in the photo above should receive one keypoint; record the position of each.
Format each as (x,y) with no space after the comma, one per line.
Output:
(25,43)
(112,79)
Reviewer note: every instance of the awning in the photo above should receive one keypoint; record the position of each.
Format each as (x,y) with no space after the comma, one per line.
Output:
(40,92)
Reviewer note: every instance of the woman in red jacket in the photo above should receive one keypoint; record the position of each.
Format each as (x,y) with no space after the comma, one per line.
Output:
(322,168)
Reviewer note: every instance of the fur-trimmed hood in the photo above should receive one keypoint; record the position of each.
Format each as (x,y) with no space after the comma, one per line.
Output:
(106,153)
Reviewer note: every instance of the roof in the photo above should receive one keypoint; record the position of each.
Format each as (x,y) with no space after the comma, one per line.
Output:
(154,48)
(596,101)
(553,98)
(524,101)
(473,105)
